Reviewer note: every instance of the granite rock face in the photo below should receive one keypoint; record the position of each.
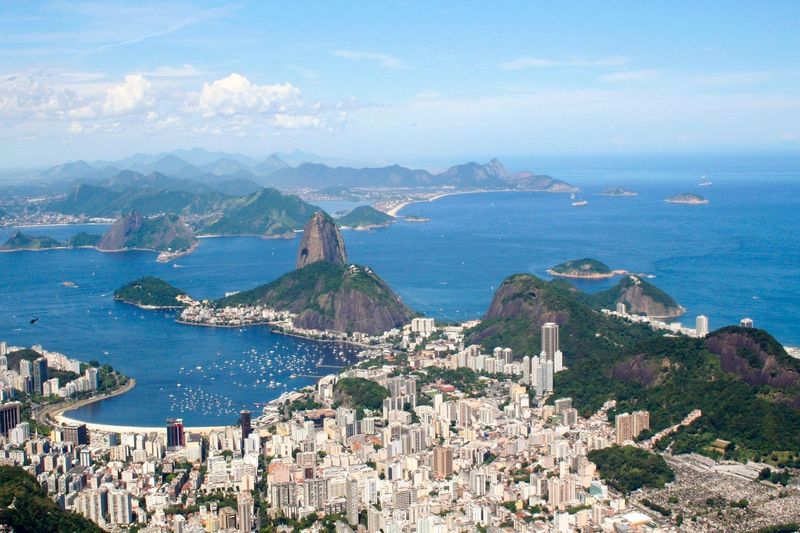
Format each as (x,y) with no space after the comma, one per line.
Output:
(163,233)
(321,242)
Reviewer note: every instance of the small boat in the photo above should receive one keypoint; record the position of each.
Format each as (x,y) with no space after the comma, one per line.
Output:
(704,182)
(580,203)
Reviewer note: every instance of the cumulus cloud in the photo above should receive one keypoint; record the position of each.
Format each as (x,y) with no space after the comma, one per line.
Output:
(236,95)
(129,96)
(27,96)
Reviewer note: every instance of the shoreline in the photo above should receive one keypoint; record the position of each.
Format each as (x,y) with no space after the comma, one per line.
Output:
(394,211)
(609,275)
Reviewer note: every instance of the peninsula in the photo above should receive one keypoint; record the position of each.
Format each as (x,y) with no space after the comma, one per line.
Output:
(687,198)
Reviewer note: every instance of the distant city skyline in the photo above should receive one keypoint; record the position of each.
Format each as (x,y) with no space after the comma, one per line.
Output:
(395,81)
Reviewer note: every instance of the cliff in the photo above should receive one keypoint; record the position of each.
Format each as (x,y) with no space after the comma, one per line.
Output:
(162,233)
(329,296)
(321,242)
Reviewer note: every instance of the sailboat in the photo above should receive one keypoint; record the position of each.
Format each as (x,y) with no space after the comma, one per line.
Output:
(705,182)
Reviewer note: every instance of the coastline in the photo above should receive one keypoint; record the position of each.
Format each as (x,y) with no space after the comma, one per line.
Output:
(609,275)
(394,211)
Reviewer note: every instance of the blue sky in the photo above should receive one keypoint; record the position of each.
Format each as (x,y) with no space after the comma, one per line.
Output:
(396,81)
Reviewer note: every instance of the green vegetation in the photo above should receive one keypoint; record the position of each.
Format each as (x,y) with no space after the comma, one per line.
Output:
(360,393)
(775,477)
(365,216)
(464,379)
(581,268)
(25,507)
(20,241)
(619,293)
(266,212)
(629,468)
(162,233)
(84,240)
(150,291)
(687,198)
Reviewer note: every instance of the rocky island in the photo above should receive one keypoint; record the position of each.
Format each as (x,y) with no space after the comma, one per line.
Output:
(585,268)
(618,191)
(687,198)
(365,217)
(151,292)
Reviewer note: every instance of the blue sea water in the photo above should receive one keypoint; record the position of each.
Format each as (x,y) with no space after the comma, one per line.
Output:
(737,256)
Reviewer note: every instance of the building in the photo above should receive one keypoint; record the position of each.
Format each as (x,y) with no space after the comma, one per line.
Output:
(746,322)
(550,347)
(422,326)
(442,462)
(247,428)
(175,435)
(244,503)
(629,425)
(119,507)
(352,502)
(77,434)
(621,309)
(701,325)
(39,374)
(9,417)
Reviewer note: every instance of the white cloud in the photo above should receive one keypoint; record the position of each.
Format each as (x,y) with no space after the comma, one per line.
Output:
(522,63)
(28,96)
(298,121)
(236,95)
(383,60)
(128,97)
(630,75)
(166,71)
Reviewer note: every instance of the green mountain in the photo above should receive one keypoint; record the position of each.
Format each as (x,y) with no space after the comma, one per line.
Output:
(640,296)
(161,233)
(582,268)
(84,240)
(364,216)
(150,292)
(25,507)
(267,213)
(20,241)
(327,296)
(612,358)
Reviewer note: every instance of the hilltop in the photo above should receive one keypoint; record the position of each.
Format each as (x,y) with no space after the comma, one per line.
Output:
(365,217)
(20,241)
(582,268)
(267,213)
(639,296)
(321,242)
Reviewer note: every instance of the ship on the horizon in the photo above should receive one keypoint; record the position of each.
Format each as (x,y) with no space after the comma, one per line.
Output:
(704,182)
(578,203)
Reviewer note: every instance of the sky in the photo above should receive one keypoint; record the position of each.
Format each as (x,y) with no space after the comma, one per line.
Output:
(396,80)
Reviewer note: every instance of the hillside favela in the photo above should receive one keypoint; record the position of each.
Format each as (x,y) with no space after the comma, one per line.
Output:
(399,267)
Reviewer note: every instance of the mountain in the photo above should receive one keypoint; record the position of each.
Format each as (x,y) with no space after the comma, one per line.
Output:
(20,241)
(321,242)
(470,175)
(224,167)
(267,213)
(270,165)
(174,166)
(640,298)
(162,233)
(328,296)
(364,217)
(94,201)
(237,186)
(74,169)
(668,375)
(151,293)
(127,179)
(84,240)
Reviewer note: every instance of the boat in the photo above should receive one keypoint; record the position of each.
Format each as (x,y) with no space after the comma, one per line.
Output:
(704,182)
(580,203)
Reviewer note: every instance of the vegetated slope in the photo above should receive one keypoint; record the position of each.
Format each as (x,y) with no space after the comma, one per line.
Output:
(150,291)
(268,213)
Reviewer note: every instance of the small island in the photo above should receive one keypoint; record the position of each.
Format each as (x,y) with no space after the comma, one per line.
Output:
(687,198)
(151,292)
(364,217)
(585,268)
(618,191)
(19,241)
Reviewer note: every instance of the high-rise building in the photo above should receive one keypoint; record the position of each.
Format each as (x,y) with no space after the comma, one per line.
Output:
(3,348)
(621,309)
(244,502)
(244,422)
(562,404)
(549,340)
(119,507)
(77,434)
(9,417)
(25,368)
(352,502)
(442,462)
(175,436)
(39,374)
(624,427)
(746,322)
(701,326)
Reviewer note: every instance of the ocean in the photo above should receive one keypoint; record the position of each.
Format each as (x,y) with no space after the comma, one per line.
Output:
(736,257)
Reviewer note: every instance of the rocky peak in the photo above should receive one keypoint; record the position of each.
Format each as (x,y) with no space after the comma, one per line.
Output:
(123,228)
(321,242)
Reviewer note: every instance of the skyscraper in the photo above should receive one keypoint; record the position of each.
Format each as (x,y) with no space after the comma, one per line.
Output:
(549,340)
(701,325)
(244,502)
(9,417)
(352,502)
(244,422)
(175,435)
(39,374)
(442,462)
